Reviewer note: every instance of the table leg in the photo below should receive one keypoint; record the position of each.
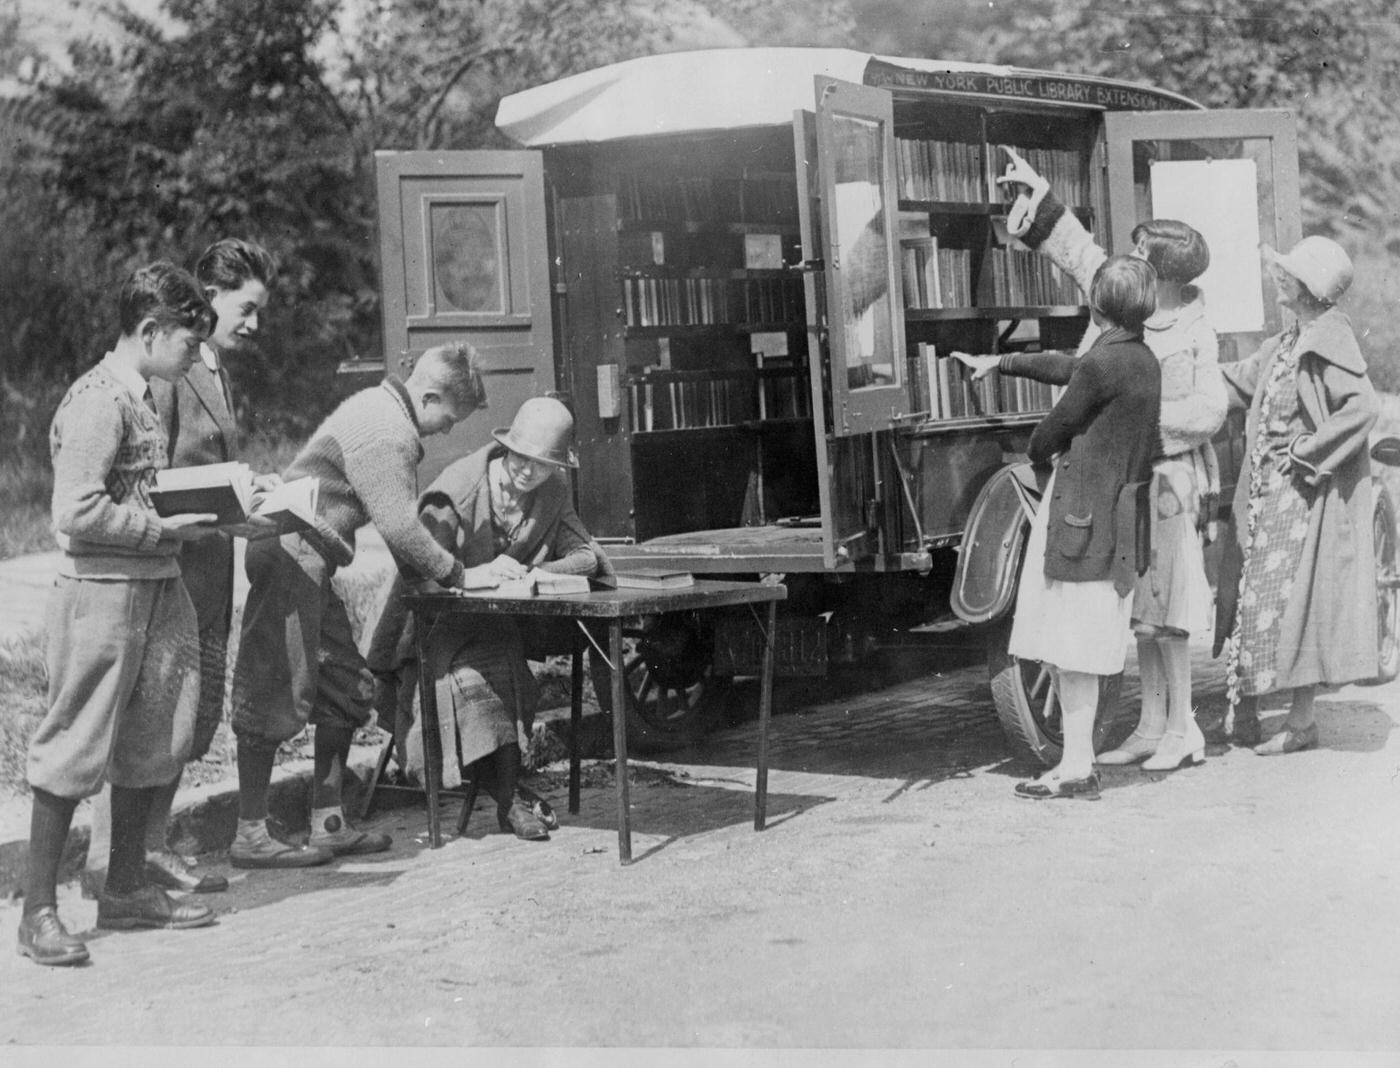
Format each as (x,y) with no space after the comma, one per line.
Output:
(432,736)
(765,712)
(619,706)
(575,714)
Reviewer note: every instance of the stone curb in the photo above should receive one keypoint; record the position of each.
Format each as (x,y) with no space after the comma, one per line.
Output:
(204,817)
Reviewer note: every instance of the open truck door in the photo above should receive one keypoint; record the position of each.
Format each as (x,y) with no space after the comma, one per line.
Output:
(1233,175)
(847,206)
(463,257)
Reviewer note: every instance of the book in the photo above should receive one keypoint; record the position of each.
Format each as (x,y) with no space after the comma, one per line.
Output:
(226,491)
(552,582)
(652,578)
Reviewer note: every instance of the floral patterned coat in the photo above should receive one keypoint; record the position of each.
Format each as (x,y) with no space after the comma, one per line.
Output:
(1328,631)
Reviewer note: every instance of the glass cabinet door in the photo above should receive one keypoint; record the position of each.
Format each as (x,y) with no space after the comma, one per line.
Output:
(1233,175)
(855,152)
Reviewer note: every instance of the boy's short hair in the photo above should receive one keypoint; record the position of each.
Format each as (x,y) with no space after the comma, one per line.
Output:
(455,370)
(1176,251)
(1124,291)
(165,293)
(232,262)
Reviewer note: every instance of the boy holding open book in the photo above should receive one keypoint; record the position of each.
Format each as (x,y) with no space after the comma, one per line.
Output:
(297,660)
(122,651)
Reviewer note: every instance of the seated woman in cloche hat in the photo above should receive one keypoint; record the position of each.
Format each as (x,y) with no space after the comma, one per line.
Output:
(503,510)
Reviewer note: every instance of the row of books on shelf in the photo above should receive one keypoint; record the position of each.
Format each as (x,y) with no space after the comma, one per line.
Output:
(1022,278)
(1064,168)
(666,403)
(966,172)
(707,200)
(933,276)
(940,170)
(944,387)
(649,301)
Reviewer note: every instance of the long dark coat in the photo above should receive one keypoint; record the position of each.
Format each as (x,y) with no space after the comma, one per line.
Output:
(1328,630)
(457,509)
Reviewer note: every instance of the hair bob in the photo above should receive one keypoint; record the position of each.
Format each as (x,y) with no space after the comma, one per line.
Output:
(1124,291)
(1176,251)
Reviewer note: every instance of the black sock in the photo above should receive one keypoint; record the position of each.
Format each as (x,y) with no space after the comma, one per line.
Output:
(126,867)
(49,821)
(255,760)
(507,771)
(331,751)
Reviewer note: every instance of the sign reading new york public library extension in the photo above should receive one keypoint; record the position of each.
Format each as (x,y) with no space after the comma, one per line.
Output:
(1023,87)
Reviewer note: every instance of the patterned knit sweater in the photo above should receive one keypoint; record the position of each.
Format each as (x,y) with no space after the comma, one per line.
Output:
(106,448)
(1193,391)
(366,456)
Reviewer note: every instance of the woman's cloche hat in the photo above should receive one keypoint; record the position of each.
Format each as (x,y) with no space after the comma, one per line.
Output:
(1319,263)
(541,430)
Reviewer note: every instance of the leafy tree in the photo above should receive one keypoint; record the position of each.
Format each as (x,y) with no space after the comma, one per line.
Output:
(1336,61)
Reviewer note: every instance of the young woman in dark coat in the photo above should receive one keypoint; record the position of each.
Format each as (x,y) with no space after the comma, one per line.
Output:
(1074,605)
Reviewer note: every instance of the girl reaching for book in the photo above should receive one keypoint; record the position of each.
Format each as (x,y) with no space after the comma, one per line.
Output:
(1074,601)
(1172,601)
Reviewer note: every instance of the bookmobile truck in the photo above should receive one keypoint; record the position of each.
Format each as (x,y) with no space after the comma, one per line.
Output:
(744,270)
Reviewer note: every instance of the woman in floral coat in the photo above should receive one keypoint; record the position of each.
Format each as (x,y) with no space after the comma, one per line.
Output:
(1297,604)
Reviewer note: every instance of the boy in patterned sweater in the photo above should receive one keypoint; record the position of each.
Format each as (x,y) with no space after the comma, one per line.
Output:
(297,660)
(122,649)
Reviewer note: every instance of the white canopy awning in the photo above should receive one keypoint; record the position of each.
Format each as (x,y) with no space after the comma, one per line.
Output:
(683,92)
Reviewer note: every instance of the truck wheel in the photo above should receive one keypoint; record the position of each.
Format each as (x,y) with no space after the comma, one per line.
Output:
(673,696)
(1028,707)
(1387,596)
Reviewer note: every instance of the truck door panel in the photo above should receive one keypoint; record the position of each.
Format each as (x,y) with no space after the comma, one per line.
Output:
(464,257)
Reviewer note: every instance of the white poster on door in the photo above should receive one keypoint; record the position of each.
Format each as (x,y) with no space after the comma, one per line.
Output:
(1220,198)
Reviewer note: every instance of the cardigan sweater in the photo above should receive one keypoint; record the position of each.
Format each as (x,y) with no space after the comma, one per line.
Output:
(1182,339)
(106,447)
(366,457)
(1101,435)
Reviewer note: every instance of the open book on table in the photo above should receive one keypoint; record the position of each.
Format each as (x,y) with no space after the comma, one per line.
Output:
(226,492)
(536,583)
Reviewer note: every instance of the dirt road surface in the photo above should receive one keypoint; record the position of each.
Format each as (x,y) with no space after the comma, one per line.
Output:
(900,897)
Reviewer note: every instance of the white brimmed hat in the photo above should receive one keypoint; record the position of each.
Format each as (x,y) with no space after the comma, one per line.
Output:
(541,430)
(1319,263)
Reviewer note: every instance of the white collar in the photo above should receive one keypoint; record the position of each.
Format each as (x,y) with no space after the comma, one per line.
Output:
(209,356)
(127,376)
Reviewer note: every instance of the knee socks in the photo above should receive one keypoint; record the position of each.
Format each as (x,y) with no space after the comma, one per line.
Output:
(255,759)
(49,821)
(332,751)
(126,865)
(507,771)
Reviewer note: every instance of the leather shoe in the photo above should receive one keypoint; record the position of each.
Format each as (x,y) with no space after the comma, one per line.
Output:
(270,851)
(1086,789)
(1136,746)
(526,825)
(149,906)
(1289,740)
(1246,732)
(44,939)
(342,840)
(170,871)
